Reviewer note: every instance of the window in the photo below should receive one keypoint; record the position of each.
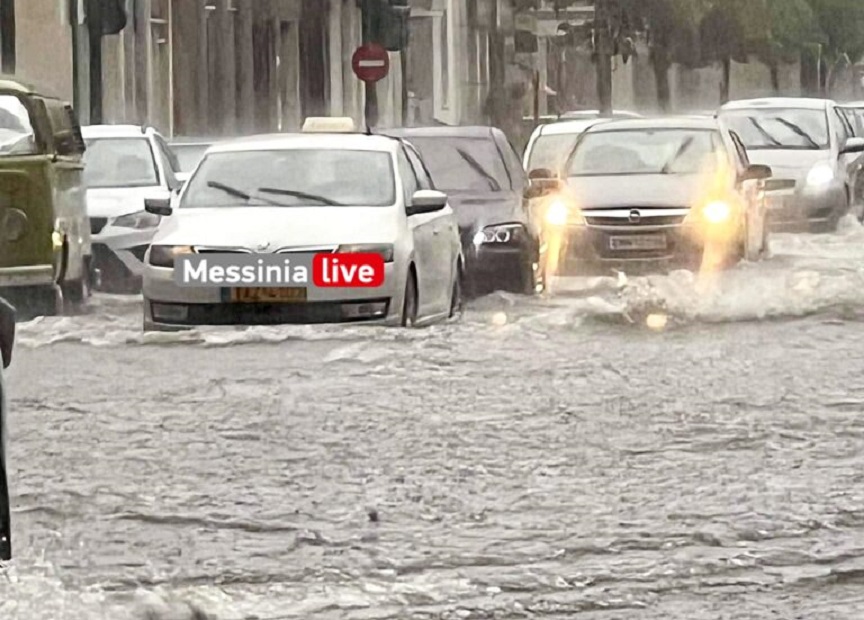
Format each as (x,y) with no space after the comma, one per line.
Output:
(16,128)
(463,164)
(640,151)
(419,169)
(293,178)
(120,162)
(406,173)
(843,129)
(739,148)
(780,129)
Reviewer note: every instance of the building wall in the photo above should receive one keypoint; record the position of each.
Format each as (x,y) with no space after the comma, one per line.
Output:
(42,24)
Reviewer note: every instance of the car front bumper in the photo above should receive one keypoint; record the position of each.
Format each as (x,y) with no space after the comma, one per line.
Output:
(497,266)
(799,209)
(167,304)
(118,254)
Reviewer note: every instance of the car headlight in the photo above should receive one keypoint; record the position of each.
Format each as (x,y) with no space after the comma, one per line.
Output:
(138,220)
(384,249)
(164,255)
(820,174)
(560,213)
(717,212)
(501,233)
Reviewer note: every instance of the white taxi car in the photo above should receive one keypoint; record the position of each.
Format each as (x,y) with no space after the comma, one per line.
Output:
(329,190)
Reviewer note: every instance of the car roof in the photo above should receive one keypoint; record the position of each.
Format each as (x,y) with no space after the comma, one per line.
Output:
(851,104)
(284,141)
(443,131)
(665,122)
(574,126)
(778,102)
(190,140)
(116,131)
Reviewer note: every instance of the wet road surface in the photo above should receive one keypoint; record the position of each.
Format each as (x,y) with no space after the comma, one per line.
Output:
(537,458)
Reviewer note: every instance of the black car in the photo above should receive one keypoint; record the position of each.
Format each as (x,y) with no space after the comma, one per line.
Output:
(482,175)
(643,192)
(7,342)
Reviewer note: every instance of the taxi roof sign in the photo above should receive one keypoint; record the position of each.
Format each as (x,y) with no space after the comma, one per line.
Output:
(329,124)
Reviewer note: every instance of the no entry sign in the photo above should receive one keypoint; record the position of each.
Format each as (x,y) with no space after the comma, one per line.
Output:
(371,62)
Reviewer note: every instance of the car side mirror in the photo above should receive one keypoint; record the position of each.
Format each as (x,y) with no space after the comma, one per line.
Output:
(158,206)
(426,201)
(756,172)
(7,331)
(543,182)
(853,145)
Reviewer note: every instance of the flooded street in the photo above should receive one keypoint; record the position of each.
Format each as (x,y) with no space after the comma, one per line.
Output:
(537,458)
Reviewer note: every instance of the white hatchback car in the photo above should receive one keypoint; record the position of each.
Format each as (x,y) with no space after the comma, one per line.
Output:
(329,192)
(123,166)
(550,144)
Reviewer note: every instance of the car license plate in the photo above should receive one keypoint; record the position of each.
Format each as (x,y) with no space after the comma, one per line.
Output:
(268,295)
(638,242)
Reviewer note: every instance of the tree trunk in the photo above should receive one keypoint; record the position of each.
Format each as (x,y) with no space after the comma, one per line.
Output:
(660,63)
(775,77)
(724,81)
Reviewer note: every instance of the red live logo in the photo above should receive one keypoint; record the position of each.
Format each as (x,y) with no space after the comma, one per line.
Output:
(348,270)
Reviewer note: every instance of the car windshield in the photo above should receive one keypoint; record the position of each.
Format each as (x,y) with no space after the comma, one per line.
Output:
(780,128)
(551,151)
(463,164)
(189,155)
(645,151)
(119,162)
(16,132)
(293,178)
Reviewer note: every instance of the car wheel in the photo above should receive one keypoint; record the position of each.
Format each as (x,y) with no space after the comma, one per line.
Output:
(409,305)
(456,295)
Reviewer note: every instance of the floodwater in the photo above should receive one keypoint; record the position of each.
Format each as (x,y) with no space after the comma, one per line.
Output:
(536,458)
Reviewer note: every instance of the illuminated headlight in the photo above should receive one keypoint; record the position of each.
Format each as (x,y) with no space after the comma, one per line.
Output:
(384,249)
(57,239)
(820,174)
(138,220)
(506,233)
(717,212)
(164,255)
(558,214)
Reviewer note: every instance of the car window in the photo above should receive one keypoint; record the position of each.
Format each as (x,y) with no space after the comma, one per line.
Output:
(514,165)
(168,163)
(169,154)
(646,151)
(780,128)
(423,177)
(406,173)
(306,177)
(463,164)
(17,136)
(120,162)
(551,151)
(843,129)
(740,149)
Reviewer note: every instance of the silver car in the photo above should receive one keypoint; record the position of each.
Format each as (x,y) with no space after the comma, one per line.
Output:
(810,142)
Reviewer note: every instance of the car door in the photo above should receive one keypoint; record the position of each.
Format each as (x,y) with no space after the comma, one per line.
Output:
(421,227)
(446,239)
(754,200)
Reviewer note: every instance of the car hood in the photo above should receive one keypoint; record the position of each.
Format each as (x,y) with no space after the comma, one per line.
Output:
(478,209)
(117,201)
(279,227)
(642,190)
(788,164)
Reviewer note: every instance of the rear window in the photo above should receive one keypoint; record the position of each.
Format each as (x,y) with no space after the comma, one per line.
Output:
(780,128)
(551,151)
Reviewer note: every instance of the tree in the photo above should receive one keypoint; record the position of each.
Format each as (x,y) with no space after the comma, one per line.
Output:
(842,25)
(672,31)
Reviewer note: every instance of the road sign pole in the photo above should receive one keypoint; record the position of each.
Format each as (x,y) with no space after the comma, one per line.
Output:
(370,20)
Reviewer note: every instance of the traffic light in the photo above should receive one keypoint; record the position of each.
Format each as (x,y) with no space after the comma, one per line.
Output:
(386,22)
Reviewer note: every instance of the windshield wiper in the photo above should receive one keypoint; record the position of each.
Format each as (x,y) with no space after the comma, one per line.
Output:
(765,133)
(797,131)
(479,169)
(301,195)
(681,150)
(237,193)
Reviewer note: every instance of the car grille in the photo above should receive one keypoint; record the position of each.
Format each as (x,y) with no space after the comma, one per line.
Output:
(646,220)
(97,224)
